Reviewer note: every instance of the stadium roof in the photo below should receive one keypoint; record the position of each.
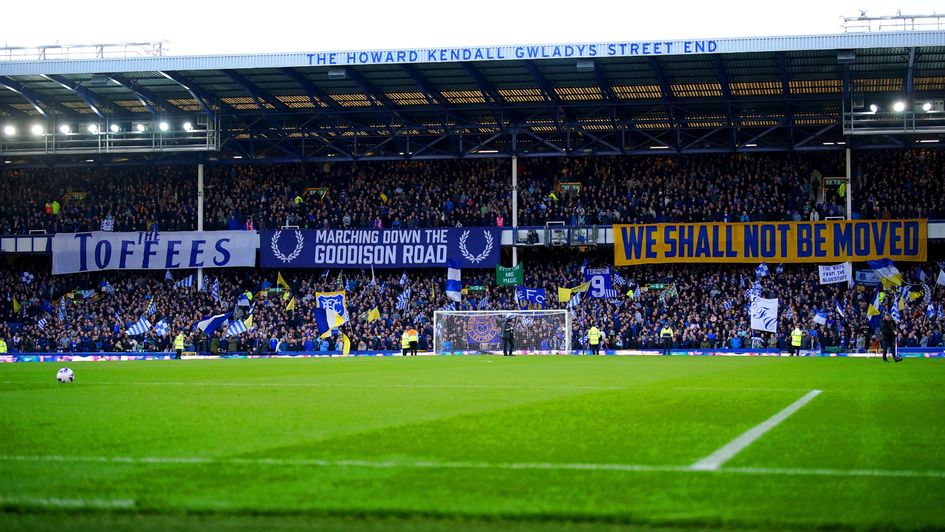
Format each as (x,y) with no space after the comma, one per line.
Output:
(684,96)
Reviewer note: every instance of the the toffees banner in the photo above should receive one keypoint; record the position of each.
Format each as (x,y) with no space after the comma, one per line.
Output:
(95,251)
(834,241)
(472,247)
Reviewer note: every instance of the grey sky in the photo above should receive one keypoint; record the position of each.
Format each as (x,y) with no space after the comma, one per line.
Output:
(199,27)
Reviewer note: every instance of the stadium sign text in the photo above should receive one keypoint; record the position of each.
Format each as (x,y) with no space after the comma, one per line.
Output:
(473,247)
(499,53)
(755,242)
(96,251)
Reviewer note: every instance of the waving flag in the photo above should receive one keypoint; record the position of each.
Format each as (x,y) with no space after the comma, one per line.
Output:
(335,301)
(168,276)
(327,319)
(239,327)
(779,269)
(761,270)
(106,288)
(140,327)
(764,314)
(27,278)
(216,289)
(41,323)
(820,317)
(887,270)
(212,323)
(618,279)
(838,308)
(403,299)
(941,277)
(454,286)
(186,282)
(152,309)
(161,328)
(403,278)
(62,308)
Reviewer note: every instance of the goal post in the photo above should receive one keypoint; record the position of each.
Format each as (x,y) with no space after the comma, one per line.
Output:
(468,332)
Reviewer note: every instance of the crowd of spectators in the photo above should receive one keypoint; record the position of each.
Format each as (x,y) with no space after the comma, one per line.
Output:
(691,188)
(707,309)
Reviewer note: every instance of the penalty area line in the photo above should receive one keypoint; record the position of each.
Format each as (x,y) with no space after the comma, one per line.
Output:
(446,465)
(715,460)
(66,504)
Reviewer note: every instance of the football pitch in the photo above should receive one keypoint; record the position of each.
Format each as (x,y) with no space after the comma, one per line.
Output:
(474,443)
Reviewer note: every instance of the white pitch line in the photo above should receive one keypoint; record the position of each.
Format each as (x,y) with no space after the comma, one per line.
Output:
(366,385)
(434,464)
(715,460)
(70,504)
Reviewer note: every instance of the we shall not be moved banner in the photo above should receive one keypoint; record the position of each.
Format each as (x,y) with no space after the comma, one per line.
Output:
(755,242)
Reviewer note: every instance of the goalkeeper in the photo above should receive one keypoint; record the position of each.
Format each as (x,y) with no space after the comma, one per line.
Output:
(508,338)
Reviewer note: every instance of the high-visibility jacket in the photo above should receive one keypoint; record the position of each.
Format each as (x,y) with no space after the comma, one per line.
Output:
(179,342)
(3,345)
(405,340)
(666,332)
(413,335)
(796,336)
(593,336)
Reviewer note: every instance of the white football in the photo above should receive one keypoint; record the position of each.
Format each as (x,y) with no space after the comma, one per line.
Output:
(65,375)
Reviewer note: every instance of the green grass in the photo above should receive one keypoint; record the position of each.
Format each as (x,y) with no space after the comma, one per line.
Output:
(474,443)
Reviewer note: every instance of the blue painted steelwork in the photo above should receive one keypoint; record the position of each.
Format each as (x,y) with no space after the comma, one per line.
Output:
(86,95)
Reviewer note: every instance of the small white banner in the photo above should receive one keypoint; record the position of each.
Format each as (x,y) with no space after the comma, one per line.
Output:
(837,273)
(764,314)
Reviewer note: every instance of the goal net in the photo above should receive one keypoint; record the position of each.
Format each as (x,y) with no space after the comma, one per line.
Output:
(543,332)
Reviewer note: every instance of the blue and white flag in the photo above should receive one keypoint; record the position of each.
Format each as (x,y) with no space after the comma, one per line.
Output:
(403,299)
(600,281)
(403,278)
(584,267)
(610,293)
(454,286)
(930,311)
(216,289)
(62,308)
(761,270)
(27,278)
(820,317)
(41,323)
(212,323)
(575,300)
(779,269)
(837,307)
(168,276)
(106,288)
(204,283)
(895,313)
(726,305)
(764,314)
(236,327)
(140,327)
(152,309)
(325,273)
(618,279)
(161,328)
(186,282)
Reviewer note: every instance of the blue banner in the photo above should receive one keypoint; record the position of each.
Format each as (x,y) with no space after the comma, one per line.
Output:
(471,247)
(96,251)
(601,282)
(530,298)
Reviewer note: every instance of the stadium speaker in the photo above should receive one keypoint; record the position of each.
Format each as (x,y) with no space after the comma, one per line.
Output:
(585,65)
(337,73)
(845,57)
(98,80)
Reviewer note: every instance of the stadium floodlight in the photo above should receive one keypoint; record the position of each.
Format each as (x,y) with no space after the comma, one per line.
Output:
(9,131)
(139,128)
(37,129)
(927,106)
(899,106)
(65,129)
(188,126)
(164,126)
(114,128)
(93,128)
(874,108)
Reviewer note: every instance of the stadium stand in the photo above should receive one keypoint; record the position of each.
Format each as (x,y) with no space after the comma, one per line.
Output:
(707,308)
(401,194)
